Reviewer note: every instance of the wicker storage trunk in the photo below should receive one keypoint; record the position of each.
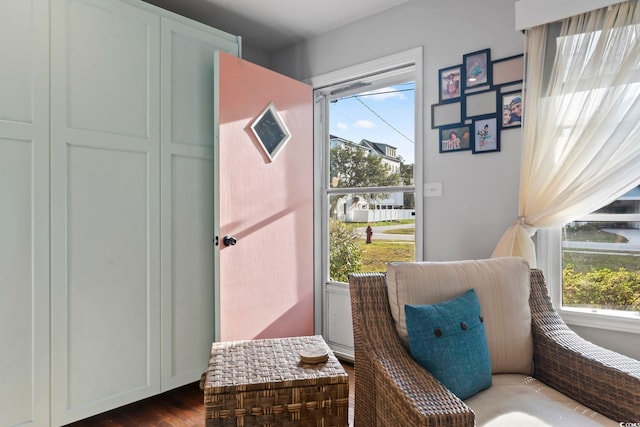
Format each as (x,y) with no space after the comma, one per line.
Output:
(263,383)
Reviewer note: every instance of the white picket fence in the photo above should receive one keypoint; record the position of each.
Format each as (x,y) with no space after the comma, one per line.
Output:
(379,215)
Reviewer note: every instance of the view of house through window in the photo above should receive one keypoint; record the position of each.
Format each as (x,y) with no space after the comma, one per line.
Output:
(370,189)
(601,258)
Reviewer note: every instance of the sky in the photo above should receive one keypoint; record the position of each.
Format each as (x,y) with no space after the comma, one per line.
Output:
(387,117)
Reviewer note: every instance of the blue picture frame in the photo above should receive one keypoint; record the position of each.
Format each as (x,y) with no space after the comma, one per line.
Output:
(486,135)
(480,103)
(476,69)
(510,109)
(507,71)
(447,144)
(450,84)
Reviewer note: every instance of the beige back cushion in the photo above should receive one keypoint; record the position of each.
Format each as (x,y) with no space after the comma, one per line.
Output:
(502,286)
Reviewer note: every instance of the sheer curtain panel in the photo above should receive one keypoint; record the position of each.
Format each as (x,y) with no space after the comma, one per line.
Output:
(581,133)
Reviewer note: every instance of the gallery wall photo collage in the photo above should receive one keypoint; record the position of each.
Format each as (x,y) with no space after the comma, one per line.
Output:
(478,100)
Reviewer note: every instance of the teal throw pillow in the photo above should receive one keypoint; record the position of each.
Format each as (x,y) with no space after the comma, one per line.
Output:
(448,339)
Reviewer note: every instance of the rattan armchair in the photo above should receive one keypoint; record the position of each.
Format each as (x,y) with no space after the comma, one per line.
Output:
(391,389)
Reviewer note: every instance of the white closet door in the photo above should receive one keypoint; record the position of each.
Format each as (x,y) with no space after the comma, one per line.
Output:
(187,196)
(24,213)
(105,250)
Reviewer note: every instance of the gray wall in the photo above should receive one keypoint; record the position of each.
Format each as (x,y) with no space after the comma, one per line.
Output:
(255,55)
(480,191)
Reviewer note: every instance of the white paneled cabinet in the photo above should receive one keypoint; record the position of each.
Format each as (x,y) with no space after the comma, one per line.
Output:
(106,224)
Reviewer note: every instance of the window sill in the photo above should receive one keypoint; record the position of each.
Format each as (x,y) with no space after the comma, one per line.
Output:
(602,319)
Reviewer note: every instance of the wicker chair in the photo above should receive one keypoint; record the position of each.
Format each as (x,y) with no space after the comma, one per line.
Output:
(391,389)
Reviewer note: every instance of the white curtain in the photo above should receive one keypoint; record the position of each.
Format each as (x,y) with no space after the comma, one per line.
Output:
(581,126)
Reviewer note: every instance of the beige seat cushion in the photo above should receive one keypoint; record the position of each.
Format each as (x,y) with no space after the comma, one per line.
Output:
(502,286)
(523,401)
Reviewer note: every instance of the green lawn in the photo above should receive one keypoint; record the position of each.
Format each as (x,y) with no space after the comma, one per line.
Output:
(584,261)
(376,254)
(593,235)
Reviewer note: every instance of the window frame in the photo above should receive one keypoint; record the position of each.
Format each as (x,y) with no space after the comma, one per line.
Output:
(347,79)
(549,255)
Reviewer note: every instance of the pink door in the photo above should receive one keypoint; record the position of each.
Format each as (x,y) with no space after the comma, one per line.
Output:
(265,204)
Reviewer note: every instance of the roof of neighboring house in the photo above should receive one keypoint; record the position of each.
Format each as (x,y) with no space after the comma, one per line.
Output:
(334,137)
(379,148)
(376,147)
(337,139)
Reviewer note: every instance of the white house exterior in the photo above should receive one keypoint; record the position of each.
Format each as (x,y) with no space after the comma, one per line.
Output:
(628,203)
(352,208)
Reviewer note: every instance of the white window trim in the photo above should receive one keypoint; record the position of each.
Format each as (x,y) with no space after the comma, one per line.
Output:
(549,255)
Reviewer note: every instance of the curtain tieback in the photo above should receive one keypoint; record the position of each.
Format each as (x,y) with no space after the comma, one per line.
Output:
(521,221)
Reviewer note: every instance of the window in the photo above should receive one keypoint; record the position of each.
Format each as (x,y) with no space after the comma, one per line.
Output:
(592,263)
(366,151)
(368,178)
(592,266)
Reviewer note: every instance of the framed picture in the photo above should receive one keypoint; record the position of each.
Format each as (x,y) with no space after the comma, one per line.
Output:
(476,68)
(480,104)
(486,138)
(510,109)
(455,138)
(449,83)
(445,114)
(508,70)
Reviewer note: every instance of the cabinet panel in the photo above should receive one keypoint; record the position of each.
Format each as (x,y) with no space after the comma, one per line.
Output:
(191,264)
(192,90)
(105,281)
(24,213)
(108,63)
(17,38)
(108,284)
(188,82)
(16,276)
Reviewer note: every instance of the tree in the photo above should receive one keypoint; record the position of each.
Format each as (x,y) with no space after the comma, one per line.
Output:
(353,166)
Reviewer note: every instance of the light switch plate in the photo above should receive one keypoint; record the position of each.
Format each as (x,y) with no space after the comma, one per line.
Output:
(433,189)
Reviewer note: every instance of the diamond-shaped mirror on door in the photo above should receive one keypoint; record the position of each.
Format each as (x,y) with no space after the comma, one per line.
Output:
(271,131)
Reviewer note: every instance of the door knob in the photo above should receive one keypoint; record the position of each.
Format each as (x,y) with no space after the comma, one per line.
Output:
(229,240)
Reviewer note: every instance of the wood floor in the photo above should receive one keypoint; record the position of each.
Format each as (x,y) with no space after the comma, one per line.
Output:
(182,407)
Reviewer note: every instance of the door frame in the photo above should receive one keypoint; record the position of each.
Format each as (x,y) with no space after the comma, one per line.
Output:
(344,78)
